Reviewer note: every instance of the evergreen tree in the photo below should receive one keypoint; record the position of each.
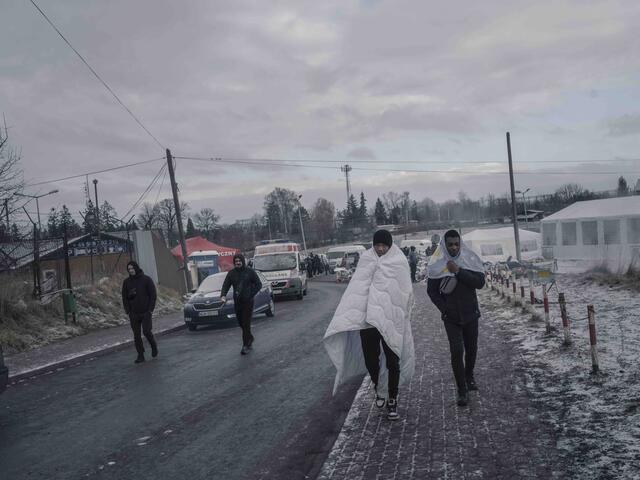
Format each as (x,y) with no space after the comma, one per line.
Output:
(191,230)
(623,188)
(88,217)
(109,218)
(362,210)
(380,213)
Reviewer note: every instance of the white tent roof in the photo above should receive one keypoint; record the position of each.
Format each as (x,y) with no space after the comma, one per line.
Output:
(608,207)
(497,234)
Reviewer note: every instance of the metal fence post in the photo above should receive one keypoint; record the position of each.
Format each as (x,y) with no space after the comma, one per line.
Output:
(592,339)
(565,319)
(545,299)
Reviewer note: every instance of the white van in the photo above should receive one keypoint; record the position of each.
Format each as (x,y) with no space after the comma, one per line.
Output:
(282,265)
(336,254)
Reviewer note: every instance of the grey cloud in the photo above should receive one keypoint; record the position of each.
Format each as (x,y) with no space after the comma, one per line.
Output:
(625,125)
(362,153)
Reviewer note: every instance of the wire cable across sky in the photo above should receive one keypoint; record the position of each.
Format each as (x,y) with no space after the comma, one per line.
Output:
(91,69)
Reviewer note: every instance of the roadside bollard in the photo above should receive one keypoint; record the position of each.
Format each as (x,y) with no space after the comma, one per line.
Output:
(545,299)
(507,291)
(515,300)
(501,286)
(532,295)
(565,319)
(592,339)
(522,297)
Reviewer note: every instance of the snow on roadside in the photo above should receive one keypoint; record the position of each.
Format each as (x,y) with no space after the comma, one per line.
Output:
(596,417)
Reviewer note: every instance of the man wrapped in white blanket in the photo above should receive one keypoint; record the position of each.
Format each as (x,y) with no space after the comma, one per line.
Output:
(375,311)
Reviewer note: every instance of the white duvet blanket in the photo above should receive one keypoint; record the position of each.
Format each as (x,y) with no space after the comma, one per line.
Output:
(379,295)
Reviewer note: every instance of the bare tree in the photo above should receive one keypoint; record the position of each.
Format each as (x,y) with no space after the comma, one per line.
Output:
(11,180)
(323,217)
(206,220)
(167,218)
(149,217)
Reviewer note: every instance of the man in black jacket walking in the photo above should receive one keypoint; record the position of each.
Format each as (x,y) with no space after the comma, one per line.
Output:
(454,293)
(139,300)
(246,284)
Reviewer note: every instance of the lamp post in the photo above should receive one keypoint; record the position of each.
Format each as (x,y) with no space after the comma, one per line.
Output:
(36,197)
(304,241)
(524,202)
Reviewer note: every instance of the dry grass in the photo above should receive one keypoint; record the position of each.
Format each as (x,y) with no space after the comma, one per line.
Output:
(630,279)
(25,323)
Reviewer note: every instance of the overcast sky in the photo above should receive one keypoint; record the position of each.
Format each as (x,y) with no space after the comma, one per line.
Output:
(370,83)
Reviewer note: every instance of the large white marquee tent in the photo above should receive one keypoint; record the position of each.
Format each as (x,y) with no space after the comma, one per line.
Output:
(498,244)
(597,232)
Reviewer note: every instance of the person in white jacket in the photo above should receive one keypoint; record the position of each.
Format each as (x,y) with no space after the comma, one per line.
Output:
(371,328)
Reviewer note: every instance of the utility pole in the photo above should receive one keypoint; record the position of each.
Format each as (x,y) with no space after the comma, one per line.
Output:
(304,241)
(176,203)
(346,169)
(514,210)
(99,244)
(6,213)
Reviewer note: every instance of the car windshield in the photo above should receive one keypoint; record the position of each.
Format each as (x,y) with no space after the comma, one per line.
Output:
(275,261)
(213,283)
(334,255)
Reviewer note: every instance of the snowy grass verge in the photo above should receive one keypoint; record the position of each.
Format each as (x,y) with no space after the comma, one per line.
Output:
(26,323)
(596,417)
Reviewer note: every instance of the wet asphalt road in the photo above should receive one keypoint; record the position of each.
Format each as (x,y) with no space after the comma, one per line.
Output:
(198,411)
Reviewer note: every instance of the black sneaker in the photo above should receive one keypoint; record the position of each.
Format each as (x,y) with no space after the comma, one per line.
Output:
(463,399)
(471,384)
(244,350)
(154,351)
(392,409)
(140,359)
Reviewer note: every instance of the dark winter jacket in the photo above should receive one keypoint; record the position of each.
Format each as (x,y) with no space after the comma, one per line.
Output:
(461,305)
(245,282)
(138,293)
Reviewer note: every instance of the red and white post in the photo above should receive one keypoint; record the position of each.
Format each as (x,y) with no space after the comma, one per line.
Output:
(545,299)
(566,326)
(592,339)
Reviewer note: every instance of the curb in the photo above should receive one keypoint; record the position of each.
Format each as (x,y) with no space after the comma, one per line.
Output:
(51,367)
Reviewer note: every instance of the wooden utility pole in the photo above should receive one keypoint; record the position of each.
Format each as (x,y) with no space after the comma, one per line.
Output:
(514,210)
(176,203)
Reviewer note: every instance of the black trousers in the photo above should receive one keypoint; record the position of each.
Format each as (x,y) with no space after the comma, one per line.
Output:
(141,323)
(244,312)
(463,342)
(371,340)
(413,268)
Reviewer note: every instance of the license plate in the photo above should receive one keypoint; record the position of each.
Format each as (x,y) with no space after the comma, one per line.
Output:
(211,313)
(276,292)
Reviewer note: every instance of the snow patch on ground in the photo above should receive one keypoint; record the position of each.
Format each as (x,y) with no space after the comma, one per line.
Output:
(596,417)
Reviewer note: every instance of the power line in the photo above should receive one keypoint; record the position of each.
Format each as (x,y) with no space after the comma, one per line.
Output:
(96,75)
(161,185)
(287,163)
(119,167)
(146,191)
(419,162)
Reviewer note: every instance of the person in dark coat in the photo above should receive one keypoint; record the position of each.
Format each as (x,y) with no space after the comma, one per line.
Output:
(139,300)
(246,284)
(454,293)
(413,263)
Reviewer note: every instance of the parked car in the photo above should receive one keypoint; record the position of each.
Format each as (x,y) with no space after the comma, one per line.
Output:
(204,307)
(4,373)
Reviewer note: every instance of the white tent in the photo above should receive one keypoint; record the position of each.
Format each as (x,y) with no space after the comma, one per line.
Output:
(498,244)
(599,232)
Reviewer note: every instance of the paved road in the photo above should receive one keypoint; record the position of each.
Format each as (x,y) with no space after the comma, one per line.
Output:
(200,410)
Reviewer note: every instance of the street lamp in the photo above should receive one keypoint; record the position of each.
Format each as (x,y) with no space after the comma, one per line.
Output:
(304,242)
(524,202)
(36,197)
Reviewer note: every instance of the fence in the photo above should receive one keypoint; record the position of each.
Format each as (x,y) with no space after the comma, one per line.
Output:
(512,286)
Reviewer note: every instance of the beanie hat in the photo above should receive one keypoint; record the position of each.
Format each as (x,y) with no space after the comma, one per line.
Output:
(383,236)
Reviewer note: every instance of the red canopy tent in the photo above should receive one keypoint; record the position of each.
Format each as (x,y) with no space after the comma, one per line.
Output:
(196,244)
